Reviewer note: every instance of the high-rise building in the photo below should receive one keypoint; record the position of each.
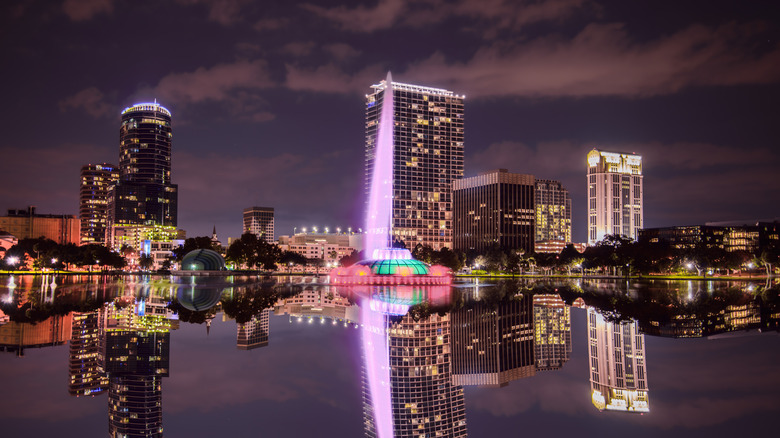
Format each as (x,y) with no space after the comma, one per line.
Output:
(27,224)
(493,345)
(144,195)
(552,331)
(85,375)
(494,208)
(254,333)
(427,157)
(616,354)
(96,183)
(260,222)
(614,195)
(553,211)
(424,400)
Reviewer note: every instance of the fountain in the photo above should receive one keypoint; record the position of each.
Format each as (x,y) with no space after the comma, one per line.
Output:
(387,266)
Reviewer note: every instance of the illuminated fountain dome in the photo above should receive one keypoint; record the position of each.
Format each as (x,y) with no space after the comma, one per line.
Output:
(202,260)
(391,266)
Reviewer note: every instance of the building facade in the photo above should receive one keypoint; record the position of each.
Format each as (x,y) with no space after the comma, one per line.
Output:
(144,195)
(494,208)
(616,353)
(553,211)
(427,157)
(97,181)
(493,345)
(614,195)
(751,237)
(260,222)
(552,331)
(27,224)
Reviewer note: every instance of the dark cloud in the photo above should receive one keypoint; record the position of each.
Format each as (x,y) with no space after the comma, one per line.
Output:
(83,10)
(91,100)
(224,12)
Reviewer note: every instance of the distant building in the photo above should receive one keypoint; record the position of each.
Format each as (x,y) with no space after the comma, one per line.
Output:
(144,195)
(139,237)
(616,355)
(494,208)
(492,346)
(428,143)
(552,331)
(553,211)
(260,222)
(27,224)
(556,246)
(751,237)
(253,334)
(614,195)
(97,180)
(325,246)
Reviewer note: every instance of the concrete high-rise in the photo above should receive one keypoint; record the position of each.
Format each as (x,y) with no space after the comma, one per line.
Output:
(553,211)
(494,208)
(260,222)
(614,195)
(144,195)
(616,354)
(97,180)
(427,158)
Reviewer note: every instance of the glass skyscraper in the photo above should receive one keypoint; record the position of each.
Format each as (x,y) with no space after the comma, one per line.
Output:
(97,181)
(427,157)
(144,195)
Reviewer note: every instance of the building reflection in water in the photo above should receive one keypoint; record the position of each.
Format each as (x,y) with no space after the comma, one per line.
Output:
(493,344)
(253,334)
(407,367)
(135,354)
(616,353)
(86,377)
(552,331)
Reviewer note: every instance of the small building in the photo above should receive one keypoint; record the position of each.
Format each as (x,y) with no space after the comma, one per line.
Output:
(27,224)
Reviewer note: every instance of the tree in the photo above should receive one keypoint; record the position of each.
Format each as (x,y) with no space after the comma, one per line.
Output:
(145,262)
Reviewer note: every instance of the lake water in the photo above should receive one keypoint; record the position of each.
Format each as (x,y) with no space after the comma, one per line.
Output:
(93,356)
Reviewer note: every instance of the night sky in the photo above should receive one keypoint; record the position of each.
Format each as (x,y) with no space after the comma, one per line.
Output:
(268,98)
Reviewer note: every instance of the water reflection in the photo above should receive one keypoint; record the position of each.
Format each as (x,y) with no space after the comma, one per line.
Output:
(420,345)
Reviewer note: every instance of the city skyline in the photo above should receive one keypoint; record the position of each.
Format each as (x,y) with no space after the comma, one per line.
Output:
(267,113)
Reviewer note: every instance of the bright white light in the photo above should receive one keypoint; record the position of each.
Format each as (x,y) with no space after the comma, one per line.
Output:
(689,265)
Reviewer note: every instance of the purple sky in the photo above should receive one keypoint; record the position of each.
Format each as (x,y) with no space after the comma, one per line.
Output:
(268,97)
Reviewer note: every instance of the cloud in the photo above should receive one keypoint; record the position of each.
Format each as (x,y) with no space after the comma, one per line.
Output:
(217,83)
(330,78)
(341,51)
(493,14)
(601,60)
(91,100)
(224,12)
(83,10)
(299,48)
(271,24)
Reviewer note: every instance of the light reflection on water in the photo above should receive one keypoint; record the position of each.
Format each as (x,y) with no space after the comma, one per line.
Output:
(500,338)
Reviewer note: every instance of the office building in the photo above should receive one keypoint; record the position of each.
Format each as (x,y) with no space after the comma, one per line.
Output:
(616,354)
(96,183)
(85,375)
(614,195)
(427,157)
(552,331)
(424,400)
(27,224)
(254,333)
(260,222)
(553,211)
(493,345)
(144,195)
(495,208)
(752,237)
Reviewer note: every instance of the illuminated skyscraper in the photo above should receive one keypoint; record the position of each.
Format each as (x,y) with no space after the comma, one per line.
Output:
(614,195)
(427,157)
(493,345)
(86,377)
(96,183)
(424,400)
(494,208)
(553,211)
(144,196)
(260,222)
(616,353)
(552,331)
